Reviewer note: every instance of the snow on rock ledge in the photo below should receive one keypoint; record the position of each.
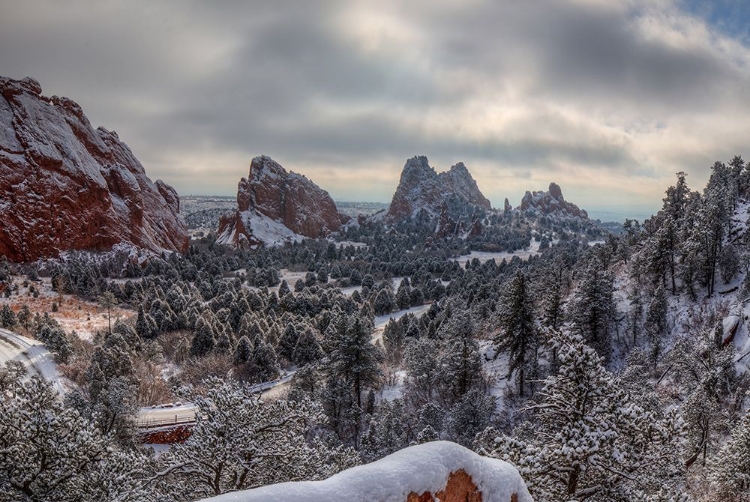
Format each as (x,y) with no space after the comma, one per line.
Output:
(276,206)
(440,470)
(67,186)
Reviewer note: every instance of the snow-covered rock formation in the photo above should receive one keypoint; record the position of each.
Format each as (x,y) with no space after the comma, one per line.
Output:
(274,206)
(66,186)
(440,470)
(421,188)
(551,202)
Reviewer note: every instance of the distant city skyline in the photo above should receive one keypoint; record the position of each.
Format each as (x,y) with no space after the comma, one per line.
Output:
(607,98)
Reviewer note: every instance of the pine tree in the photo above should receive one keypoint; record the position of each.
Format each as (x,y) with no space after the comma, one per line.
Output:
(460,362)
(264,364)
(308,349)
(593,310)
(203,339)
(243,351)
(518,333)
(7,317)
(656,322)
(239,442)
(588,439)
(50,451)
(730,469)
(353,358)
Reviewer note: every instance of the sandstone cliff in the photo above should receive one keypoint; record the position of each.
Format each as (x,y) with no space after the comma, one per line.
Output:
(66,186)
(422,189)
(274,206)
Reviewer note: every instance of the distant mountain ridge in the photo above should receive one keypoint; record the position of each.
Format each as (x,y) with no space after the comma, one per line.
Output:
(67,186)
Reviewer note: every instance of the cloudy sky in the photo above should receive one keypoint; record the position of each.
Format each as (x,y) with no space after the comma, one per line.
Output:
(609,98)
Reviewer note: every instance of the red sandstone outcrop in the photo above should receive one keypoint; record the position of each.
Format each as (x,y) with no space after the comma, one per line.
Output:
(551,202)
(274,205)
(67,186)
(421,188)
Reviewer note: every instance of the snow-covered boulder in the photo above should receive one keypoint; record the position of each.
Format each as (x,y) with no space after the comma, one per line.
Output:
(440,470)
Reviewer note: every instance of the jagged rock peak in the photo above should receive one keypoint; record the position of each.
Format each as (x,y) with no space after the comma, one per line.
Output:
(551,202)
(274,206)
(422,189)
(67,186)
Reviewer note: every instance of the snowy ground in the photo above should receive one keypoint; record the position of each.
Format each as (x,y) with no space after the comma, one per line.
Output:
(483,256)
(496,369)
(73,314)
(382,320)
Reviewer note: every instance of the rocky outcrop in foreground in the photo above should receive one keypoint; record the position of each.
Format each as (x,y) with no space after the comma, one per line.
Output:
(274,206)
(67,186)
(421,188)
(551,202)
(429,472)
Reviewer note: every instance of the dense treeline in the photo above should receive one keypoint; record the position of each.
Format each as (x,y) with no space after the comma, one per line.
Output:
(616,380)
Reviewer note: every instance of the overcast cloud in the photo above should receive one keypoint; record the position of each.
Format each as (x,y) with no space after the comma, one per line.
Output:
(607,98)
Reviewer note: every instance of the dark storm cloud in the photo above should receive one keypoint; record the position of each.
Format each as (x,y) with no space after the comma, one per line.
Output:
(554,87)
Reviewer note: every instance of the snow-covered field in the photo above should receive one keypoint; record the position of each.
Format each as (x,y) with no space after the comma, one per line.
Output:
(483,256)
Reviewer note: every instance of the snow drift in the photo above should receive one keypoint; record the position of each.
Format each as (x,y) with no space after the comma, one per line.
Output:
(416,473)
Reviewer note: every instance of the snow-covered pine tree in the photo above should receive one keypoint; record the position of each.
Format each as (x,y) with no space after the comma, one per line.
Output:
(730,468)
(518,332)
(587,439)
(593,310)
(239,442)
(50,452)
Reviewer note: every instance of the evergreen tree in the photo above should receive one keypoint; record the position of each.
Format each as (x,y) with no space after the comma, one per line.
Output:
(593,310)
(239,442)
(203,339)
(730,469)
(656,322)
(243,351)
(460,362)
(308,349)
(7,317)
(52,453)
(518,333)
(353,358)
(24,317)
(588,440)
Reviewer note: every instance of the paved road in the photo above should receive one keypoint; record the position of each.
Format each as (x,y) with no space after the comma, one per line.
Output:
(33,354)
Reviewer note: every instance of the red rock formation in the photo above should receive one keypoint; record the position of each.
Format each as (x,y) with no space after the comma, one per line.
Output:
(459,488)
(172,435)
(269,196)
(421,188)
(551,202)
(66,186)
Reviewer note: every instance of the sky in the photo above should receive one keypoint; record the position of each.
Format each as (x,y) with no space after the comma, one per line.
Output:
(608,98)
